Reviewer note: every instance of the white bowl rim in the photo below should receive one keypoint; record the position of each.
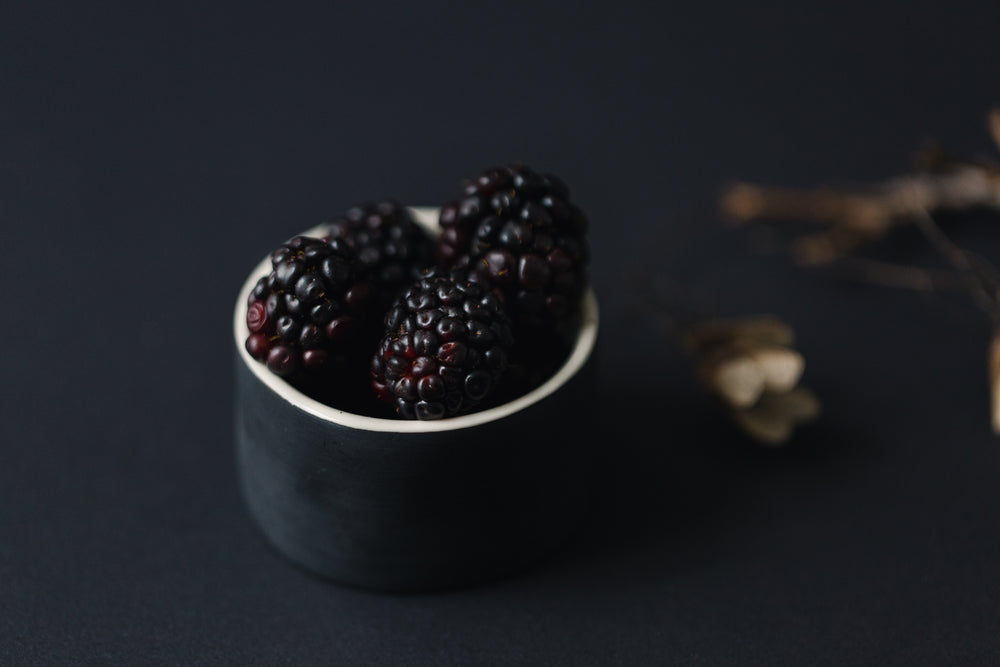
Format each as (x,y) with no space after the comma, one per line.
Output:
(427,217)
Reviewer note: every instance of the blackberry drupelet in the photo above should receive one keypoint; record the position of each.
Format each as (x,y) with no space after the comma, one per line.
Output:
(517,229)
(445,347)
(392,249)
(307,309)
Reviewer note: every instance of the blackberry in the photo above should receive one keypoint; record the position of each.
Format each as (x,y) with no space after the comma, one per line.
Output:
(307,308)
(445,347)
(517,229)
(391,248)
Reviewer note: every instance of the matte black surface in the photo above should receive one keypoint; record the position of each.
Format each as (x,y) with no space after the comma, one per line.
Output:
(149,158)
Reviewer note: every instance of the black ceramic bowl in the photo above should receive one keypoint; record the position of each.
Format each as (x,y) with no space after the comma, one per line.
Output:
(400,505)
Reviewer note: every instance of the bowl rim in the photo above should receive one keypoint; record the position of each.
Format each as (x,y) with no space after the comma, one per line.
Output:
(425,216)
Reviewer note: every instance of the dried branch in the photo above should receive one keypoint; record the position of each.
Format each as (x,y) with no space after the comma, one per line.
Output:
(978,276)
(993,370)
(993,123)
(859,216)
(887,274)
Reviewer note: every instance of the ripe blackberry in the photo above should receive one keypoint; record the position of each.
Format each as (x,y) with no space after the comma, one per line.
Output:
(392,249)
(445,347)
(307,308)
(517,229)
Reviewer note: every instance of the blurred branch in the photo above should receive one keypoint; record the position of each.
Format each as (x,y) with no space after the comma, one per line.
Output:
(858,216)
(855,217)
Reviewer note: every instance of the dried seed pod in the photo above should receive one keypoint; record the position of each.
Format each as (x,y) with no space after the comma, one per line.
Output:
(772,420)
(750,365)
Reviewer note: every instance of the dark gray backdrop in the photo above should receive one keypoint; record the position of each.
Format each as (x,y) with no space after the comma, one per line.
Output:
(149,157)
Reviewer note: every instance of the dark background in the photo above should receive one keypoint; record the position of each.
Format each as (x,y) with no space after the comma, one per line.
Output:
(150,157)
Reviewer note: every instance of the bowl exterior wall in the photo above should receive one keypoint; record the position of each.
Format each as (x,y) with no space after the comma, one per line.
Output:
(417,511)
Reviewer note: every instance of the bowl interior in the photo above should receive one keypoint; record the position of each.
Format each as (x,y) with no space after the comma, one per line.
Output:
(582,349)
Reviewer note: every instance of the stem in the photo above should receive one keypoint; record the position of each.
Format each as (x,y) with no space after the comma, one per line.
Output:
(899,276)
(981,286)
(993,123)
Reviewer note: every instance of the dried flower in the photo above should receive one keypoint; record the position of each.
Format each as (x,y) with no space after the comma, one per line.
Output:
(859,216)
(751,366)
(748,364)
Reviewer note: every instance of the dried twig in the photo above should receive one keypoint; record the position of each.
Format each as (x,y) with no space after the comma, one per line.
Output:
(979,276)
(859,216)
(899,276)
(993,123)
